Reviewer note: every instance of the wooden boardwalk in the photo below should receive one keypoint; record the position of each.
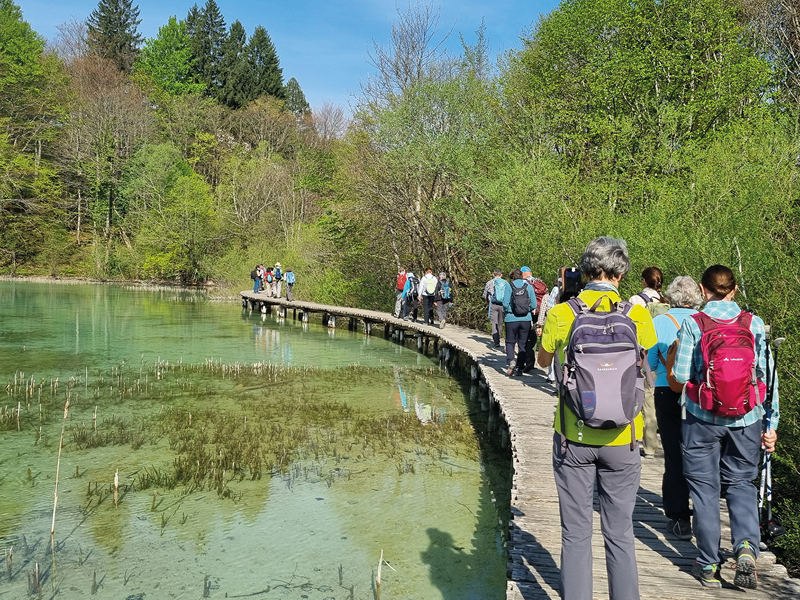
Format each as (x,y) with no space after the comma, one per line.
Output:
(528,404)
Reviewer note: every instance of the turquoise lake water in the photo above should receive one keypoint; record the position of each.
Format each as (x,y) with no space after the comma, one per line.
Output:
(255,457)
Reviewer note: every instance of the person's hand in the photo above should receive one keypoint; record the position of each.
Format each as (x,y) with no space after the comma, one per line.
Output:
(419,298)
(768,440)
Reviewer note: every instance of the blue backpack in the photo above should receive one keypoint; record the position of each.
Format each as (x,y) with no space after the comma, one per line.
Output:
(499,291)
(445,292)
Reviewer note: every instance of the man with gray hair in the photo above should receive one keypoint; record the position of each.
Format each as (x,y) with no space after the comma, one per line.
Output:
(584,455)
(685,298)
(493,293)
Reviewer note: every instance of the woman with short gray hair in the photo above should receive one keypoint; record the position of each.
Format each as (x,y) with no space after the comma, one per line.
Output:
(583,456)
(605,256)
(684,292)
(685,298)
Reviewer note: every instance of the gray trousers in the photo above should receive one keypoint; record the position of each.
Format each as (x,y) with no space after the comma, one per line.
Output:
(617,470)
(398,304)
(441,310)
(496,319)
(650,436)
(289,291)
(721,461)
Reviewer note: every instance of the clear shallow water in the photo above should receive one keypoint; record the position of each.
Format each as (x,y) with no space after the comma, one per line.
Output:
(284,481)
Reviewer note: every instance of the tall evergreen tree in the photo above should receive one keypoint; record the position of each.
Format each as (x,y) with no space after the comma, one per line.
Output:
(234,70)
(266,74)
(113,32)
(206,28)
(296,99)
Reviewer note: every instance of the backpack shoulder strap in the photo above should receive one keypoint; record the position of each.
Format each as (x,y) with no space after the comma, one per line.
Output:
(745,319)
(577,306)
(647,299)
(674,320)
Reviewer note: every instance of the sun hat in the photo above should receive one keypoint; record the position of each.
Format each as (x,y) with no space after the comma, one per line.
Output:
(524,269)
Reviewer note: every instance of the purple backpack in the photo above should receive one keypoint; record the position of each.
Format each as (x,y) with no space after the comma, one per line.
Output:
(601,380)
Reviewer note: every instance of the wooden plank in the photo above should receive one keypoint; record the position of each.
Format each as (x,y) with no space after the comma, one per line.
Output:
(527,404)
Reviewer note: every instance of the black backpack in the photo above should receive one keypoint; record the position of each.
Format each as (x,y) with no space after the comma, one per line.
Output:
(520,300)
(253,274)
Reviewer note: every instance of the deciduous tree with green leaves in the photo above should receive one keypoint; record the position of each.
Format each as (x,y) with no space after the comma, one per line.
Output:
(166,60)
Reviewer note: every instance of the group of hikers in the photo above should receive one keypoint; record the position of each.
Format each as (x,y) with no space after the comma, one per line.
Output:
(429,290)
(270,280)
(687,363)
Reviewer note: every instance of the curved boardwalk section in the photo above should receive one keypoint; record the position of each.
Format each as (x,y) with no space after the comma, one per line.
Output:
(528,404)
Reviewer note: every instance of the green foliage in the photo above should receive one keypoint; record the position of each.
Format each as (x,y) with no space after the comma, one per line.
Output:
(166,60)
(113,32)
(206,29)
(621,84)
(296,99)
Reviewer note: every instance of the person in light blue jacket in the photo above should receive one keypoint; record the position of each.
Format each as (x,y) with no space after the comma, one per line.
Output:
(289,277)
(518,321)
(685,299)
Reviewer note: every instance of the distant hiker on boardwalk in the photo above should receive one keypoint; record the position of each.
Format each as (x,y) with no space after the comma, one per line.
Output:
(685,299)
(401,284)
(540,289)
(427,295)
(519,302)
(289,276)
(550,301)
(278,275)
(444,298)
(495,303)
(409,297)
(268,281)
(582,453)
(722,433)
(255,275)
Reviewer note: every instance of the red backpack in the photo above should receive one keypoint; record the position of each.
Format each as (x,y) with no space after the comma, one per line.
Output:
(540,289)
(730,387)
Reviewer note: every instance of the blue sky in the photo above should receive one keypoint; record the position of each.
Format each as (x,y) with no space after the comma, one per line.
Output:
(323,44)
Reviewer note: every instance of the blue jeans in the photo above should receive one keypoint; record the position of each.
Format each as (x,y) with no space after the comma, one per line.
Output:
(256,284)
(721,461)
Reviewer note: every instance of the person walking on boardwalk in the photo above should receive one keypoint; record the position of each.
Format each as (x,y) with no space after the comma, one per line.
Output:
(268,281)
(583,455)
(289,276)
(722,431)
(493,293)
(401,284)
(427,295)
(409,297)
(540,289)
(255,275)
(685,299)
(277,274)
(444,298)
(519,302)
(651,298)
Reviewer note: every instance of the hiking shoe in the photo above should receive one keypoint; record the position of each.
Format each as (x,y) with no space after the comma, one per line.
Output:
(441,324)
(746,567)
(708,575)
(511,367)
(681,529)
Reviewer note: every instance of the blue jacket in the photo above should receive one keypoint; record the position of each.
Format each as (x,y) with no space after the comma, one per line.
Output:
(407,286)
(510,316)
(667,333)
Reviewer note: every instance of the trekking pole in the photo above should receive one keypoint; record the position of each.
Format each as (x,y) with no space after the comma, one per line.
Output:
(771,528)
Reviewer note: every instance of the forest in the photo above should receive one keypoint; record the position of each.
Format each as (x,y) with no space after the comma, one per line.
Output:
(187,158)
